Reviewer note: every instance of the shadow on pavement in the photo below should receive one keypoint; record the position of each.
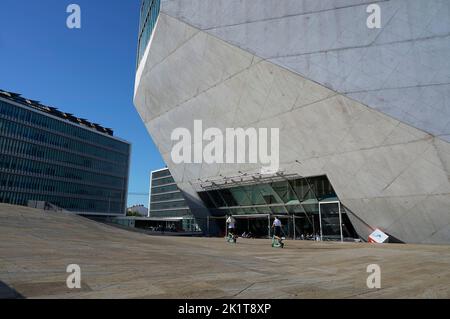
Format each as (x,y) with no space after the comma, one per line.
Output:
(7,292)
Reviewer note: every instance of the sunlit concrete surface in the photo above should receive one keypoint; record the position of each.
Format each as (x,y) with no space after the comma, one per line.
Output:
(36,247)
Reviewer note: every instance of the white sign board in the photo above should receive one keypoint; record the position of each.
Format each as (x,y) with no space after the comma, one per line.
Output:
(378,237)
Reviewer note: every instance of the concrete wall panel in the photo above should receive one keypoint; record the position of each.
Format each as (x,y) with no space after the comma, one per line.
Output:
(402,69)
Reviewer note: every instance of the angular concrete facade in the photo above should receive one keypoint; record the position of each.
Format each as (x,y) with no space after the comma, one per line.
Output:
(369,108)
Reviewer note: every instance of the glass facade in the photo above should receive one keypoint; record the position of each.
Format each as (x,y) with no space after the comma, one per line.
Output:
(278,197)
(45,158)
(166,200)
(301,197)
(149,15)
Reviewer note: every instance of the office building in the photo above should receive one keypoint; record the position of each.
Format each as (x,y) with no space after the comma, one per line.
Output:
(167,203)
(50,156)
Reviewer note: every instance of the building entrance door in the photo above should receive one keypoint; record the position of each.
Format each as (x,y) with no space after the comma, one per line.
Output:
(330,221)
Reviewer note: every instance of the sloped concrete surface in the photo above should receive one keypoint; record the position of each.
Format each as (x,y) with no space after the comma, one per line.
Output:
(36,247)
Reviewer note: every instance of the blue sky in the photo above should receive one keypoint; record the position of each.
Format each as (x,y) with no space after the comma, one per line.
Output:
(88,72)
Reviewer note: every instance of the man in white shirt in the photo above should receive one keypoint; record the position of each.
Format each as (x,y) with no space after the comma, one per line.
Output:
(277,228)
(231,225)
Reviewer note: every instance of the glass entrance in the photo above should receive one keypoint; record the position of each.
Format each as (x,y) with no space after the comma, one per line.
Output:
(298,201)
(330,221)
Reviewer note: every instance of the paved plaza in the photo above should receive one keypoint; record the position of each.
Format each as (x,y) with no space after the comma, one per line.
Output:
(36,247)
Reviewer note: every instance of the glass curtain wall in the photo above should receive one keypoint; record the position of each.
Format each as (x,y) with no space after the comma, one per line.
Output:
(44,158)
(167,201)
(295,201)
(149,16)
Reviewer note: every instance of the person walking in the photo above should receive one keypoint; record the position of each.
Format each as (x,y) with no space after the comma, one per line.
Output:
(277,228)
(231,222)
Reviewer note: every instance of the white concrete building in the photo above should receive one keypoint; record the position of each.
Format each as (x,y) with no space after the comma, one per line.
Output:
(367,108)
(138,209)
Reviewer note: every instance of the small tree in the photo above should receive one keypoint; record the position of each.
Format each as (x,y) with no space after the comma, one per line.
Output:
(132,214)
